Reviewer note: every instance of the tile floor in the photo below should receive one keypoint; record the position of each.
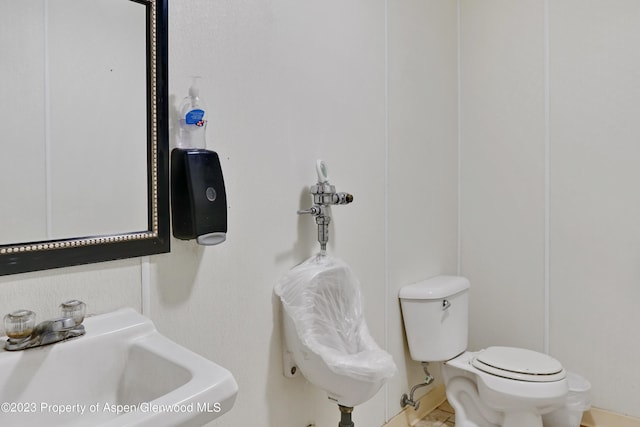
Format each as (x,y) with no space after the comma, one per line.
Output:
(442,416)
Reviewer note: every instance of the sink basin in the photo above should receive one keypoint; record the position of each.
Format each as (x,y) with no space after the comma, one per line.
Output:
(123,372)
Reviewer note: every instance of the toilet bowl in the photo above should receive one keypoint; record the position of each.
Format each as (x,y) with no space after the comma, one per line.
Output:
(494,387)
(503,396)
(326,333)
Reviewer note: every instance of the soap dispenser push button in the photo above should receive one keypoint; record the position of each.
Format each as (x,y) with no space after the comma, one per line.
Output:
(211,194)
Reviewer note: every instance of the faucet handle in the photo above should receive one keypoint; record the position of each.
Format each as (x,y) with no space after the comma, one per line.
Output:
(73,309)
(313,210)
(19,324)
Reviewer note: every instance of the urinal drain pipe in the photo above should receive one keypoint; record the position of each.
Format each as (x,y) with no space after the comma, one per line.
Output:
(345,416)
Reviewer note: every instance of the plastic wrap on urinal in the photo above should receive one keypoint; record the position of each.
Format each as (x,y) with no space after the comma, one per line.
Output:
(322,296)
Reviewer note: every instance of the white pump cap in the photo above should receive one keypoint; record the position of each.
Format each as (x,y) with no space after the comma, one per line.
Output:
(194,90)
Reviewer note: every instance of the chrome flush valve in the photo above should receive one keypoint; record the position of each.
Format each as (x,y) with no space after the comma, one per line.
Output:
(324,195)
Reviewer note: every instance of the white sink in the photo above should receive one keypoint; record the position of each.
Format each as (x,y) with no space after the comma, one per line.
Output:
(121,373)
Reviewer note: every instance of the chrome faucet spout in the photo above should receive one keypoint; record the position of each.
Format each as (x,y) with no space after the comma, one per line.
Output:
(55,325)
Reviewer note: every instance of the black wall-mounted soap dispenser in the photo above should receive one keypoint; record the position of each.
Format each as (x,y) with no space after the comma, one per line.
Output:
(198,198)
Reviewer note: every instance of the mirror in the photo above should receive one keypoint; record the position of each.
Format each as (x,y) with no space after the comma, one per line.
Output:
(83,113)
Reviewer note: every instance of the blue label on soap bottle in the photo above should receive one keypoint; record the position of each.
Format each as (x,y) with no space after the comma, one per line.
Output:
(194,117)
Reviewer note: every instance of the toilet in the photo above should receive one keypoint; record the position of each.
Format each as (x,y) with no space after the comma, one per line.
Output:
(493,387)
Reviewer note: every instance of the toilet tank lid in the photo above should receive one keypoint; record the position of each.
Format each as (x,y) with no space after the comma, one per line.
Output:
(435,288)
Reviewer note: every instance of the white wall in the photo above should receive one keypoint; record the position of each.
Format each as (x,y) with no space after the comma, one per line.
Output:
(288,82)
(104,287)
(369,89)
(422,158)
(553,84)
(595,204)
(502,169)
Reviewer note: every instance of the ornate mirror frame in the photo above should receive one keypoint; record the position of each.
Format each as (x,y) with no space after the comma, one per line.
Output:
(33,256)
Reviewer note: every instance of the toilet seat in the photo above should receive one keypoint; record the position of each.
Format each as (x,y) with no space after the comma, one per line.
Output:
(518,364)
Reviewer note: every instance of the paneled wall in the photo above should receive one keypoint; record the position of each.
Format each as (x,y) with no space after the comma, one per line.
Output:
(371,90)
(536,101)
(549,212)
(595,203)
(370,87)
(422,162)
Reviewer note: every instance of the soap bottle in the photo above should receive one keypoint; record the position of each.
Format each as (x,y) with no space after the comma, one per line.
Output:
(193,119)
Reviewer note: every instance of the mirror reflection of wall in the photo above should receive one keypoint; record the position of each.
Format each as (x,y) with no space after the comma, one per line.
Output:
(73,118)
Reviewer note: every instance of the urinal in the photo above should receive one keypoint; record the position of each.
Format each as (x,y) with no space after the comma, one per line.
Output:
(326,334)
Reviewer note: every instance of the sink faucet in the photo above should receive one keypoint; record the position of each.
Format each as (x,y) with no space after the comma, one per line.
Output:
(23,333)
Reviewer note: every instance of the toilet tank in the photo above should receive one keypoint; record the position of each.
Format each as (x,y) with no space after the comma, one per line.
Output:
(436,317)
